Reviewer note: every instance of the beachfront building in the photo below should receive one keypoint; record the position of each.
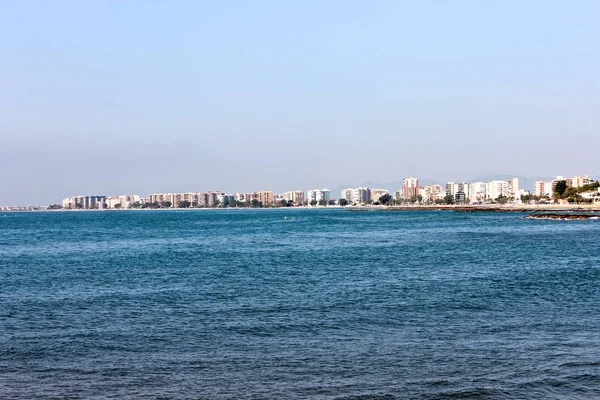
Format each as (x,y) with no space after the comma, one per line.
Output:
(460,197)
(377,193)
(346,195)
(431,193)
(124,201)
(266,198)
(513,189)
(161,198)
(452,188)
(318,195)
(251,196)
(295,196)
(579,181)
(543,188)
(84,202)
(239,197)
(495,189)
(410,188)
(477,192)
(361,195)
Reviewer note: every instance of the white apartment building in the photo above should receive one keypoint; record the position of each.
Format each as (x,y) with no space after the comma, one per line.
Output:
(478,192)
(543,188)
(495,189)
(359,195)
(84,202)
(513,188)
(241,197)
(579,181)
(295,196)
(318,195)
(161,197)
(460,191)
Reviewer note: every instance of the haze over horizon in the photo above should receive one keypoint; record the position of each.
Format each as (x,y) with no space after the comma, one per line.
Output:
(134,97)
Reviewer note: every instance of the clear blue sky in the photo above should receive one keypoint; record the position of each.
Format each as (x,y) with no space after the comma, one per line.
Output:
(113,97)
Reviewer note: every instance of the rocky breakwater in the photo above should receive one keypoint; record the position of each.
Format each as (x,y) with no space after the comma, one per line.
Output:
(564,217)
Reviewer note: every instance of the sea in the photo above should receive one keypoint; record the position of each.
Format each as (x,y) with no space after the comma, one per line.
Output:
(298,304)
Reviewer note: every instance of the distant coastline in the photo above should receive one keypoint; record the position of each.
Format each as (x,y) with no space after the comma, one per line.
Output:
(433,207)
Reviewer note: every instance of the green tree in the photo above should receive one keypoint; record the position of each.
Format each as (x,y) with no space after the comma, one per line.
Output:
(166,204)
(449,199)
(184,204)
(590,187)
(135,204)
(571,192)
(419,198)
(322,202)
(502,199)
(526,198)
(117,206)
(385,199)
(283,203)
(559,188)
(255,203)
(313,203)
(343,202)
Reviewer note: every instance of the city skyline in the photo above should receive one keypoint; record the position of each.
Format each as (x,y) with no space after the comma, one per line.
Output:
(527,183)
(411,189)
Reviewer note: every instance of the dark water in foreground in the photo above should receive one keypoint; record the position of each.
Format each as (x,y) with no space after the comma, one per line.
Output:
(328,305)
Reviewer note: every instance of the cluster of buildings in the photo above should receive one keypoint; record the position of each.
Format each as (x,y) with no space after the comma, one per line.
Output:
(462,192)
(410,192)
(197,199)
(458,192)
(546,188)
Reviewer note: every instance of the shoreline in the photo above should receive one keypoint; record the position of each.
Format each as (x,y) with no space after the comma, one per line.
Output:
(437,207)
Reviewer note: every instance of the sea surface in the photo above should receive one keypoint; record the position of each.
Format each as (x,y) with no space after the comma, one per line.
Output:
(298,304)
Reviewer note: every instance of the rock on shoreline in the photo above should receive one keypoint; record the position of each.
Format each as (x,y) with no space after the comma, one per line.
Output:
(564,217)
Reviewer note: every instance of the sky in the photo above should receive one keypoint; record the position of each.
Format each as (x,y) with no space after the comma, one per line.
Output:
(136,97)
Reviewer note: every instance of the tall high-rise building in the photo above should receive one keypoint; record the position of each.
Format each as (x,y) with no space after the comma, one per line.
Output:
(513,189)
(410,188)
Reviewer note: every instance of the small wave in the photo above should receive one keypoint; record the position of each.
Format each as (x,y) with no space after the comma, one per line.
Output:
(369,397)
(580,364)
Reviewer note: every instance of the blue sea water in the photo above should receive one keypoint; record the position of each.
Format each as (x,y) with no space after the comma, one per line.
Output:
(298,304)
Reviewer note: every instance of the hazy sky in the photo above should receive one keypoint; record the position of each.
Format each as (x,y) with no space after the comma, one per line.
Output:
(114,97)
